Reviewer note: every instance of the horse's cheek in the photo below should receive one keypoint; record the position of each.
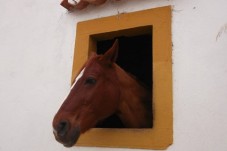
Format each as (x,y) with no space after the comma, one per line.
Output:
(111,99)
(87,120)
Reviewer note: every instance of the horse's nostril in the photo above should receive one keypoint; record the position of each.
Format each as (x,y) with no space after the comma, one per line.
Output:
(62,128)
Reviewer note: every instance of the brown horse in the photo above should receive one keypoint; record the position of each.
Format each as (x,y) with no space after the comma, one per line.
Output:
(100,90)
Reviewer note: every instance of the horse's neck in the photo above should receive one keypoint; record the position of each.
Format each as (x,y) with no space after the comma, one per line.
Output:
(132,109)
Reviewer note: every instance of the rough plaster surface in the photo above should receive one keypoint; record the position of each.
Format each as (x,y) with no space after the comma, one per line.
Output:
(36,51)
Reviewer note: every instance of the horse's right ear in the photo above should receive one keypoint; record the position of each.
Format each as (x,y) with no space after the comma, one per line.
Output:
(112,53)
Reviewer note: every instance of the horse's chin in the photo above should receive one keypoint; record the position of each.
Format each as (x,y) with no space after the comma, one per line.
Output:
(69,144)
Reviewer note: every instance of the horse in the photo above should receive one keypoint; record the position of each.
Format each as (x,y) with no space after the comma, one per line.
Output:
(101,89)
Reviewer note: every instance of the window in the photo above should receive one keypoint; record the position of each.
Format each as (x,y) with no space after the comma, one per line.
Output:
(152,29)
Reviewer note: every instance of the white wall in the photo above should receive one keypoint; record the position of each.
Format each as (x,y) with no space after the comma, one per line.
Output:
(36,51)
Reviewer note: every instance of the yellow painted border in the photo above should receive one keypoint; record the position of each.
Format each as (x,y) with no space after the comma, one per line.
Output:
(159,19)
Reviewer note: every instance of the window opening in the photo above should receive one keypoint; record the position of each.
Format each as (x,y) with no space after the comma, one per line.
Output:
(135,57)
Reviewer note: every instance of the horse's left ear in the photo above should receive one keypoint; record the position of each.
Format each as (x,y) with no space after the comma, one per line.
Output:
(112,53)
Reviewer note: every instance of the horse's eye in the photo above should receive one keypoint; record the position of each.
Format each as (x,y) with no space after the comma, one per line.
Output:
(90,80)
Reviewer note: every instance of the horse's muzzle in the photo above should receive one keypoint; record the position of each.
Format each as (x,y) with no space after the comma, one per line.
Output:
(65,134)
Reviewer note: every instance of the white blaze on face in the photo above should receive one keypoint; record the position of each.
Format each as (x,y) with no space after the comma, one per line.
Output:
(76,1)
(78,77)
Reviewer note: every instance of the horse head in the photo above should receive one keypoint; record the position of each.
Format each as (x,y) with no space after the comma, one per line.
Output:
(93,97)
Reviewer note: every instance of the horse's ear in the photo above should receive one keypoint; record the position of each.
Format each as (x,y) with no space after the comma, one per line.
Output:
(112,53)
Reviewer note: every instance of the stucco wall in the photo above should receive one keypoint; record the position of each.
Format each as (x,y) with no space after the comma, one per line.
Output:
(36,51)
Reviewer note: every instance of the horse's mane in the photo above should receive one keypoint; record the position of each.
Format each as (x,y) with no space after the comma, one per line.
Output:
(143,93)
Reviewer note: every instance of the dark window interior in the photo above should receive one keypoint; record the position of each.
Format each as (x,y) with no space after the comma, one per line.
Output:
(135,57)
